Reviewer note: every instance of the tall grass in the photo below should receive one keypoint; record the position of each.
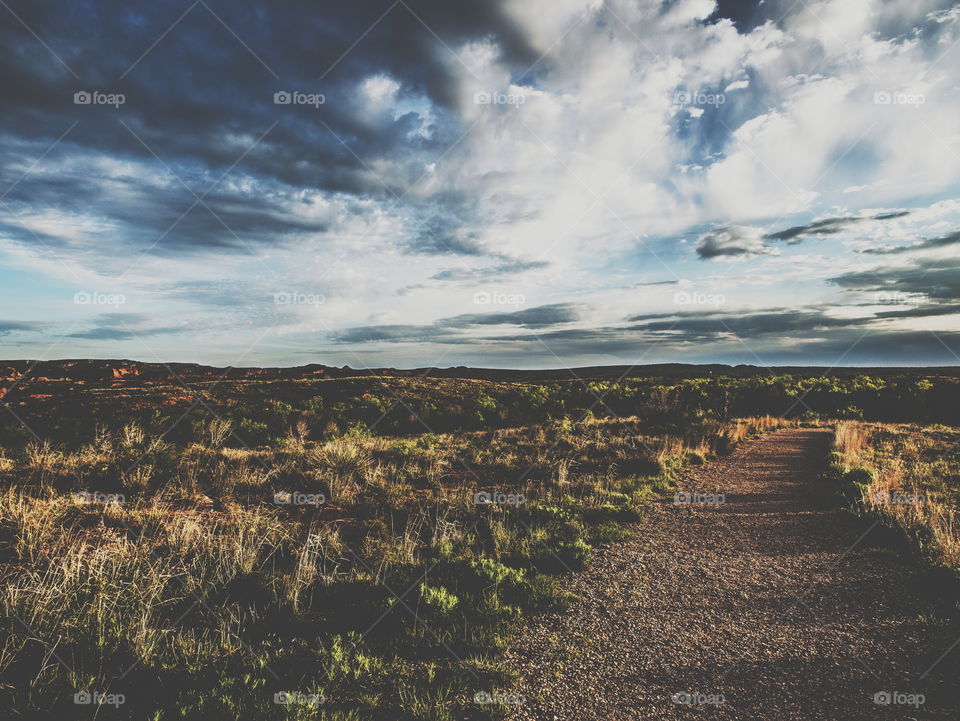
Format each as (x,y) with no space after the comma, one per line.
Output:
(197,585)
(907,474)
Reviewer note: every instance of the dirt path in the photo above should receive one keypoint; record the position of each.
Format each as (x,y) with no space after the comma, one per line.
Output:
(771,605)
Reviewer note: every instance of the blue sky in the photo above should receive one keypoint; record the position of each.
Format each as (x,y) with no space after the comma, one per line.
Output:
(525,183)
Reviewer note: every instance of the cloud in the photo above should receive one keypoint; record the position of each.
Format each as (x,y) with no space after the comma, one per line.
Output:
(123,334)
(939,242)
(731,241)
(749,241)
(922,311)
(446,330)
(15,326)
(529,318)
(699,326)
(123,327)
(503,269)
(838,346)
(827,226)
(395,334)
(924,277)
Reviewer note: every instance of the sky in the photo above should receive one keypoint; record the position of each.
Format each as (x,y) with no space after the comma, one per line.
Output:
(506,183)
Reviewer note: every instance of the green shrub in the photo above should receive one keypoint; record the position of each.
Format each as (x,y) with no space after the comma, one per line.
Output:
(574,555)
(438,597)
(492,571)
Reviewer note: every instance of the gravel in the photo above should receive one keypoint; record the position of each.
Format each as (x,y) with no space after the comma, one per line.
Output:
(773,604)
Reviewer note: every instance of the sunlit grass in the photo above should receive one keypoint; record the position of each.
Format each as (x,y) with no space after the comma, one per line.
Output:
(909,474)
(171,566)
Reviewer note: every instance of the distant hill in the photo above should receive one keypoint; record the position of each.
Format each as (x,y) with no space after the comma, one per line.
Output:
(64,398)
(120,373)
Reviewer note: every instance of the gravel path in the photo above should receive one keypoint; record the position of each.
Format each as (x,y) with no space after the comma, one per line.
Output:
(771,605)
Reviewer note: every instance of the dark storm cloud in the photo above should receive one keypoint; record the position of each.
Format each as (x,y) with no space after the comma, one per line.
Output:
(924,277)
(175,216)
(188,72)
(749,14)
(199,82)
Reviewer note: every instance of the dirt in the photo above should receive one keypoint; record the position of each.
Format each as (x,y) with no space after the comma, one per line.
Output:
(768,603)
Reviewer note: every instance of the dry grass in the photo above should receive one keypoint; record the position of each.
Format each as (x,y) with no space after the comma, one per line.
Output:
(851,438)
(913,476)
(195,561)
